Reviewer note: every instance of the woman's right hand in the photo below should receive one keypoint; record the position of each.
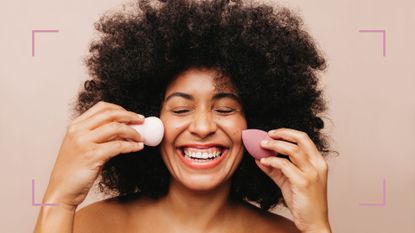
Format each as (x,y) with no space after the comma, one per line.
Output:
(92,139)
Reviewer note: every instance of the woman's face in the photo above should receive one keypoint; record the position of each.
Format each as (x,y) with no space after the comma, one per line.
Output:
(202,144)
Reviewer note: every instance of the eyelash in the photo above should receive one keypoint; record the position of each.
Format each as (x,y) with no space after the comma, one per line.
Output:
(225,111)
(221,111)
(180,111)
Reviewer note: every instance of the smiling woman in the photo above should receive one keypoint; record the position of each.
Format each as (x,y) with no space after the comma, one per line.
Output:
(209,70)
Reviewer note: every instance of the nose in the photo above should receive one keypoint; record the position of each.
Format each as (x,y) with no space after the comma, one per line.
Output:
(203,124)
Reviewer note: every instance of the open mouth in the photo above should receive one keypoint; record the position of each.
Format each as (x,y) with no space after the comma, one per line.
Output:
(202,156)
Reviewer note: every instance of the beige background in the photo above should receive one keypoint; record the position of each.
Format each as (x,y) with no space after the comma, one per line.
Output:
(371,99)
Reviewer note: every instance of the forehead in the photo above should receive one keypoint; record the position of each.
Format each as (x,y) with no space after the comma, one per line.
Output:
(197,78)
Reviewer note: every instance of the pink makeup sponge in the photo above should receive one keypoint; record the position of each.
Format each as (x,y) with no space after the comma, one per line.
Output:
(152,130)
(252,139)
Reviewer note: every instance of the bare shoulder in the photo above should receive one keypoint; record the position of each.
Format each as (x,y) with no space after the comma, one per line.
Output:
(268,222)
(102,216)
(278,224)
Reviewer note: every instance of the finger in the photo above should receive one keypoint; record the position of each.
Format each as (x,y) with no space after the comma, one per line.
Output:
(114,130)
(106,151)
(301,139)
(294,175)
(275,174)
(107,116)
(294,152)
(98,107)
(264,168)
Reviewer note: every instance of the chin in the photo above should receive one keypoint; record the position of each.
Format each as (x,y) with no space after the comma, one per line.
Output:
(200,182)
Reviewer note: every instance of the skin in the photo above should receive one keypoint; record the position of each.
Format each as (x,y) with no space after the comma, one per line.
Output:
(196,199)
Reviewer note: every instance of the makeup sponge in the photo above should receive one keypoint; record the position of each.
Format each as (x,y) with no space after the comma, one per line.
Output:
(152,130)
(252,139)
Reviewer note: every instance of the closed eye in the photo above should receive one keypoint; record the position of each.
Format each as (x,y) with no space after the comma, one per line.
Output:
(181,111)
(225,110)
(222,111)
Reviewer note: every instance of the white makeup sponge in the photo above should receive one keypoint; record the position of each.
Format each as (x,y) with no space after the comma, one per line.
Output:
(152,130)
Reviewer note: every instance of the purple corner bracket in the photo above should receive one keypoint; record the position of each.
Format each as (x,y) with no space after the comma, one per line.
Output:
(34,35)
(383,203)
(33,197)
(383,31)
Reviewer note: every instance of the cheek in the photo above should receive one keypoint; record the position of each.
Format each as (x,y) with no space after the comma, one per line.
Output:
(234,128)
(172,127)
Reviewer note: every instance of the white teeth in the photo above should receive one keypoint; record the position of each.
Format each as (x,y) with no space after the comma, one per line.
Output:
(210,154)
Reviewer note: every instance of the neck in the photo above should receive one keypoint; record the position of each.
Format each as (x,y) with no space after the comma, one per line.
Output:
(201,210)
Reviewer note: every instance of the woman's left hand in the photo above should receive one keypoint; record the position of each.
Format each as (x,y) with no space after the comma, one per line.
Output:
(303,181)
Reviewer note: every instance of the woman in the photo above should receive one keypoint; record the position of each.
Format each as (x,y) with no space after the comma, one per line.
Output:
(208,69)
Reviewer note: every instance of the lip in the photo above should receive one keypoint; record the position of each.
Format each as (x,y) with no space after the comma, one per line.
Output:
(202,146)
(207,164)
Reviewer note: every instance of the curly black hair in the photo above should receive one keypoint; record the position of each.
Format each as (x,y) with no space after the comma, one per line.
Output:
(265,50)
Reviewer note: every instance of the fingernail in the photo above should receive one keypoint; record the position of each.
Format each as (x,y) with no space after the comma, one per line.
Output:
(140,116)
(140,144)
(272,131)
(264,142)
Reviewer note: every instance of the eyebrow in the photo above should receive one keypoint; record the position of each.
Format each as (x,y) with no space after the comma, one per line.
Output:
(217,96)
